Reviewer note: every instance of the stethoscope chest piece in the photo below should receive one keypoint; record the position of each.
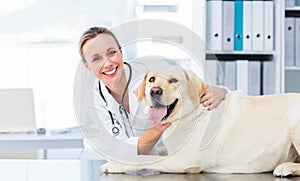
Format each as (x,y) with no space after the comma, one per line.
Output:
(115,130)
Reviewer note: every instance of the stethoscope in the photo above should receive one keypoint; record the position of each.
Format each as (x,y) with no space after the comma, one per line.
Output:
(115,130)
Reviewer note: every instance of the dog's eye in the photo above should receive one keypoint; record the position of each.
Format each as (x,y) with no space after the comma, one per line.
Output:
(173,80)
(152,79)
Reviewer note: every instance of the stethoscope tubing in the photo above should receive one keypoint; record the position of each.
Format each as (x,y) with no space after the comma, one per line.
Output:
(115,130)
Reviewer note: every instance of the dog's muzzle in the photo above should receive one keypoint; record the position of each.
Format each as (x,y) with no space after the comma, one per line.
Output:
(159,112)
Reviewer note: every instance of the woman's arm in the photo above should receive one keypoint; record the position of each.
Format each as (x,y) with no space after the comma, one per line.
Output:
(150,137)
(213,96)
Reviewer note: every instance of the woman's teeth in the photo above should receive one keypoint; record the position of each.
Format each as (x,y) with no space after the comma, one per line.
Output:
(111,72)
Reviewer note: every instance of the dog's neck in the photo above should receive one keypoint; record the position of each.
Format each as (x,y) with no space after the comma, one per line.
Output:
(196,112)
(183,127)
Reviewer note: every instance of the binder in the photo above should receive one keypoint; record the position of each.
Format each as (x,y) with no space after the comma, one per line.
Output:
(297,42)
(238,25)
(229,69)
(214,24)
(247,25)
(242,75)
(257,25)
(254,78)
(220,71)
(230,75)
(268,77)
(268,25)
(228,25)
(289,41)
(289,3)
(211,71)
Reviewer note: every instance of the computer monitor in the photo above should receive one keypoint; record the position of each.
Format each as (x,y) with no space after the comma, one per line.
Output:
(17,110)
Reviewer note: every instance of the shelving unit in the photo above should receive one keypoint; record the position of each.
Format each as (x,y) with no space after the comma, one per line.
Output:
(292,68)
(291,9)
(276,56)
(292,73)
(240,55)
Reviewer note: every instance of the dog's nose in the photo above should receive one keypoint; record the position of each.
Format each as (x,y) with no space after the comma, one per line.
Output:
(156,91)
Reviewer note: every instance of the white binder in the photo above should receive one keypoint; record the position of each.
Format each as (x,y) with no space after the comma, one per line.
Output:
(242,75)
(211,71)
(268,77)
(228,25)
(214,24)
(297,42)
(289,41)
(268,25)
(247,25)
(229,69)
(220,71)
(254,78)
(257,25)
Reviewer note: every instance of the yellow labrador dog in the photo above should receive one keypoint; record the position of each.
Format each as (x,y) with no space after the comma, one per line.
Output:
(255,134)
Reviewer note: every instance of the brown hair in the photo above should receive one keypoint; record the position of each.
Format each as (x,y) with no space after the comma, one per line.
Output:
(92,33)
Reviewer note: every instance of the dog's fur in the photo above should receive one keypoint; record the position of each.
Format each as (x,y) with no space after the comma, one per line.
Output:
(256,134)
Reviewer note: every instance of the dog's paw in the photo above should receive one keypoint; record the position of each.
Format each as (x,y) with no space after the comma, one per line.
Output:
(111,167)
(283,170)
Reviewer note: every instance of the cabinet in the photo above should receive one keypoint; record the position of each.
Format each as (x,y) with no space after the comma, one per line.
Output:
(245,45)
(292,46)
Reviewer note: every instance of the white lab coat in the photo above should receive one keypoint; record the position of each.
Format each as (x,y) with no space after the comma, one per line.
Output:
(125,142)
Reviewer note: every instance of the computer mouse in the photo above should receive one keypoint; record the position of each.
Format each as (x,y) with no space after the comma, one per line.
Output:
(40,131)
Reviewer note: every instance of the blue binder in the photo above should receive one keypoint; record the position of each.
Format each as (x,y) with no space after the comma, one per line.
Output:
(238,25)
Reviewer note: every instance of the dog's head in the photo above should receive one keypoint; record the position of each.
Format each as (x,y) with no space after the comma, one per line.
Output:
(171,93)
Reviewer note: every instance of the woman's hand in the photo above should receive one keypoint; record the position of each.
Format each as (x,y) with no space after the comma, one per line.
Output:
(150,137)
(213,96)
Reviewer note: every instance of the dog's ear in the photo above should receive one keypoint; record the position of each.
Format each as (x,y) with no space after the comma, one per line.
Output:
(196,86)
(140,91)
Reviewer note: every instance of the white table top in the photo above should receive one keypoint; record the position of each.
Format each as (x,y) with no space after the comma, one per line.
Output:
(33,141)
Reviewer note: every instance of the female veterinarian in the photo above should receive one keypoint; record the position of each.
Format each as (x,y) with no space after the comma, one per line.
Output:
(121,113)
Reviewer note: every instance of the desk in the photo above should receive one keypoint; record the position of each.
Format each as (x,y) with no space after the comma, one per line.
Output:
(32,141)
(89,163)
(43,142)
(88,166)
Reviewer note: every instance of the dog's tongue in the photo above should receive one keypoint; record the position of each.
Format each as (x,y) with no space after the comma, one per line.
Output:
(157,113)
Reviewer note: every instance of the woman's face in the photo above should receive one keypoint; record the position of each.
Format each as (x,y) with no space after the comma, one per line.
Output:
(104,59)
